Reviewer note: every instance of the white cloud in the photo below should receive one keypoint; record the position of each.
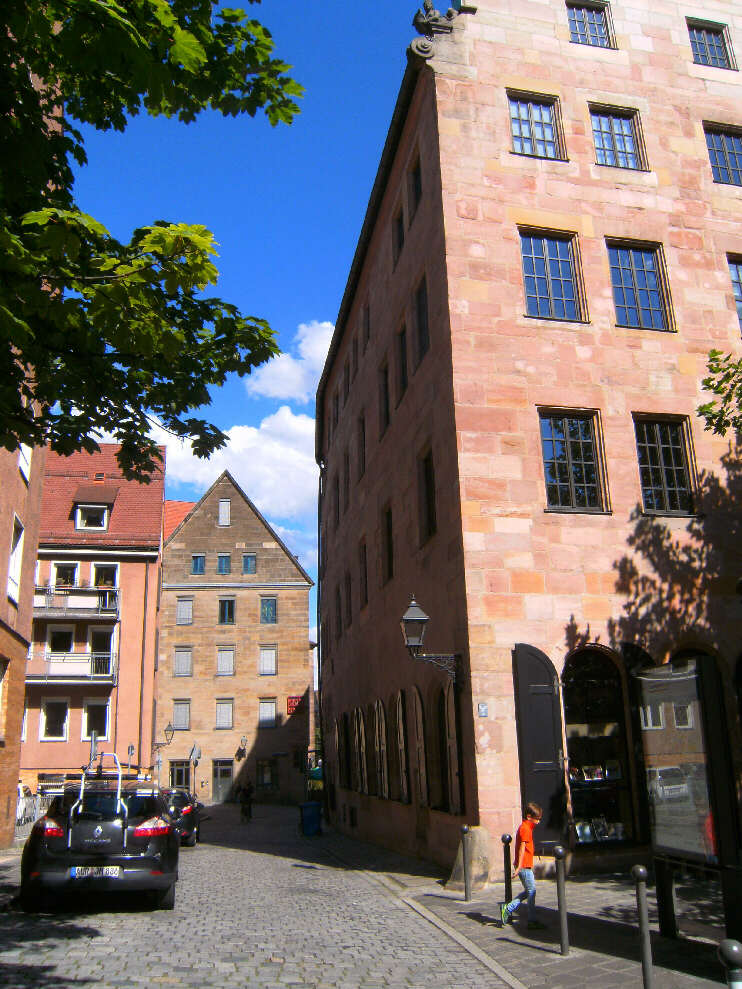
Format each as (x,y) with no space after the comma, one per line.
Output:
(273,462)
(294,376)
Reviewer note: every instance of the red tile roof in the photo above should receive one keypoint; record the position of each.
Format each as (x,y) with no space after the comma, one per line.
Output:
(136,513)
(175,512)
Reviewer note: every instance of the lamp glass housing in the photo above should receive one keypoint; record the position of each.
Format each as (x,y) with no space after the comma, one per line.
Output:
(413,624)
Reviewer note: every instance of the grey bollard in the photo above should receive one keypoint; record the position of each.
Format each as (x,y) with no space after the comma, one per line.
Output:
(466,860)
(639,874)
(559,854)
(730,956)
(508,866)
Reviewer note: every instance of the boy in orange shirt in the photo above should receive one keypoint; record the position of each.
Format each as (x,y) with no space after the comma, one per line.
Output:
(524,850)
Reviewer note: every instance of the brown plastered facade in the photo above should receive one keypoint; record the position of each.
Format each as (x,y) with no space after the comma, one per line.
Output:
(20,496)
(501,569)
(279,751)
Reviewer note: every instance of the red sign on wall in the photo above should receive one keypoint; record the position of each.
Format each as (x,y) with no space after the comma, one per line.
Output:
(292,703)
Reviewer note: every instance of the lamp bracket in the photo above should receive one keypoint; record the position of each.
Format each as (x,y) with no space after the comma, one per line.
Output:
(444,661)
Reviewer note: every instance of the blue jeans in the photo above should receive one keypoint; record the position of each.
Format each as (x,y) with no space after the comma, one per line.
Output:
(528,895)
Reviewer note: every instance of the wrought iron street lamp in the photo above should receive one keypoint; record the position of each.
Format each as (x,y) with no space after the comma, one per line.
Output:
(413,624)
(169,732)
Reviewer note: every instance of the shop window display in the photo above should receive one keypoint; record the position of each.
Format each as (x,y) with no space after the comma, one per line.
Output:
(595,722)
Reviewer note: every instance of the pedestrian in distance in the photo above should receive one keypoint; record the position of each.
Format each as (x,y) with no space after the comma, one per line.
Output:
(524,850)
(246,800)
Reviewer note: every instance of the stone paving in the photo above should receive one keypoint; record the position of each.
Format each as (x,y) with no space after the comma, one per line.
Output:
(256,905)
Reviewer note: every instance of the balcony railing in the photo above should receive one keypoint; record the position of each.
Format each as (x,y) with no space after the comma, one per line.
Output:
(76,602)
(80,667)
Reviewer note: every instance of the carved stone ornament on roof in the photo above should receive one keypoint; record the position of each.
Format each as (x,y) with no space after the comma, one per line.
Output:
(429,22)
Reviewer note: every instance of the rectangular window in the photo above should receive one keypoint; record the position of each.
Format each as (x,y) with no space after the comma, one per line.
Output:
(264,774)
(383,399)
(184,611)
(268,661)
(725,154)
(533,124)
(183,663)
(588,25)
(91,517)
(225,661)
(346,382)
(225,511)
(348,601)
(415,184)
(651,716)
(346,481)
(226,611)
(735,270)
(25,453)
(683,715)
(268,611)
(267,712)
(60,640)
(198,563)
(249,563)
(361,445)
(105,575)
(616,138)
(550,276)
(363,573)
(180,774)
(422,321)
(338,614)
(336,501)
(54,720)
(387,544)
(335,409)
(571,466)
(397,234)
(639,286)
(181,715)
(15,561)
(224,713)
(354,356)
(366,321)
(426,481)
(95,719)
(662,450)
(223,563)
(710,46)
(65,574)
(401,363)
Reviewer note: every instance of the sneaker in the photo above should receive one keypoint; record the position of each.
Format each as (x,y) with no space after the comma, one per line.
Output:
(536,925)
(505,914)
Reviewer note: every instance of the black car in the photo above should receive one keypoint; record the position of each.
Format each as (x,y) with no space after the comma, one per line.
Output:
(186,813)
(104,836)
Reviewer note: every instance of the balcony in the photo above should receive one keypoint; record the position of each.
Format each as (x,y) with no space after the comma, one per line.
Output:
(72,667)
(76,602)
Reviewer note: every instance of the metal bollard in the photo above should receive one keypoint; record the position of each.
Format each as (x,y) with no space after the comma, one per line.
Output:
(559,854)
(466,860)
(640,878)
(508,865)
(730,956)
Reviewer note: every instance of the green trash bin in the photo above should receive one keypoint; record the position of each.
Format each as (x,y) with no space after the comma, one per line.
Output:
(311,818)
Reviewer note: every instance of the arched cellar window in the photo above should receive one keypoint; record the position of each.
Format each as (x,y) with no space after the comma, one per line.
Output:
(421,768)
(402,759)
(382,772)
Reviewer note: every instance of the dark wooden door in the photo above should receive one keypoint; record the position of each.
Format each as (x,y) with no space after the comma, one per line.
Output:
(538,716)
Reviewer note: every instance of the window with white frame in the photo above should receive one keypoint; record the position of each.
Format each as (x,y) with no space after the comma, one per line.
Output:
(65,574)
(267,712)
(54,719)
(105,574)
(60,638)
(182,714)
(95,718)
(24,460)
(683,715)
(15,561)
(24,722)
(183,664)
(652,716)
(224,712)
(92,517)
(184,611)
(225,661)
(225,511)
(268,661)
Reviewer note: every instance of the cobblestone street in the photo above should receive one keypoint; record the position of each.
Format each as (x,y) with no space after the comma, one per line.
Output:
(256,905)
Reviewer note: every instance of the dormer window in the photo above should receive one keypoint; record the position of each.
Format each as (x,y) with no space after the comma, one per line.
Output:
(93,517)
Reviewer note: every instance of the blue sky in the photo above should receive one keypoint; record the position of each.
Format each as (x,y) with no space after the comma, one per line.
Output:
(286,206)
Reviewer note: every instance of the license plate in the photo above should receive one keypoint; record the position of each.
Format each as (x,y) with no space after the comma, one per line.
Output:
(95,871)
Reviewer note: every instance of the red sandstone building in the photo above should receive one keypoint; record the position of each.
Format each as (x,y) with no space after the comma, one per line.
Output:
(91,662)
(234,678)
(506,427)
(20,497)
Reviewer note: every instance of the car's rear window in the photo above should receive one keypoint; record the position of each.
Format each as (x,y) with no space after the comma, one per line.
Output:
(102,806)
(178,799)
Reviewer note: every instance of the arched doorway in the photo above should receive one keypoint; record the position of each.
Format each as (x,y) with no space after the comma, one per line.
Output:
(595,700)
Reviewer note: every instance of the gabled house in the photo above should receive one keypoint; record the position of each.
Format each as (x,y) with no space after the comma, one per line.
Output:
(234,677)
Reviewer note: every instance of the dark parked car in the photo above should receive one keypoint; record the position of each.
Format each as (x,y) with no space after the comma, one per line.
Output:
(104,836)
(186,813)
